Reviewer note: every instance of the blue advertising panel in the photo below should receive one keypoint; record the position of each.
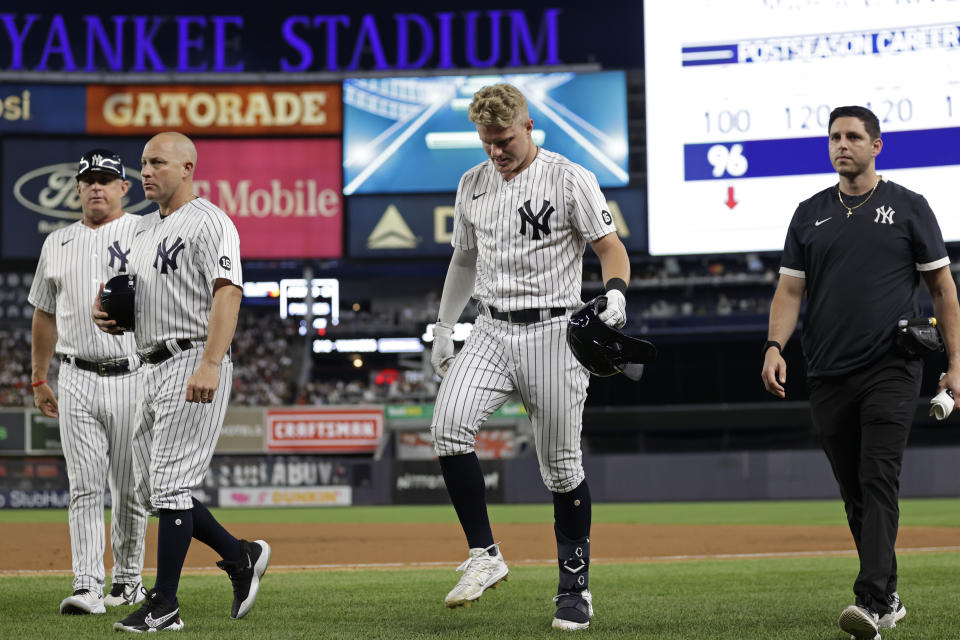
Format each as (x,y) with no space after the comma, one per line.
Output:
(39,108)
(413,135)
(40,192)
(414,226)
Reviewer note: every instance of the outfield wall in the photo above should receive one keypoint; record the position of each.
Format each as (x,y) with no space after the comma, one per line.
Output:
(314,480)
(754,475)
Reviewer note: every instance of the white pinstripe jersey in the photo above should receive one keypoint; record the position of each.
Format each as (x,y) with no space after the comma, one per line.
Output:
(531,231)
(176,259)
(73,262)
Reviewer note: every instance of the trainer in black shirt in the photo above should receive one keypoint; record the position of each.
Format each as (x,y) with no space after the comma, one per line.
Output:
(858,250)
(862,270)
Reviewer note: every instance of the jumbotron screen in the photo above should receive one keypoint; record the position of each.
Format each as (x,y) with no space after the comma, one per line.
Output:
(738,103)
(409,135)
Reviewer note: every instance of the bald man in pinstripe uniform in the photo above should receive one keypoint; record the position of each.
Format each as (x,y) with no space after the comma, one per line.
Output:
(186,256)
(98,384)
(522,221)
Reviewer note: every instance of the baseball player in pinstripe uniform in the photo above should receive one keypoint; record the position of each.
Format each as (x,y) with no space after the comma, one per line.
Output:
(186,256)
(521,224)
(98,384)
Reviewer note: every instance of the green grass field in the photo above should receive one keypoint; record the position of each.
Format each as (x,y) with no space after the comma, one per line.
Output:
(932,512)
(788,599)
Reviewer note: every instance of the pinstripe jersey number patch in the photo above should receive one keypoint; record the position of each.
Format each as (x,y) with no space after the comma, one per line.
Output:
(538,221)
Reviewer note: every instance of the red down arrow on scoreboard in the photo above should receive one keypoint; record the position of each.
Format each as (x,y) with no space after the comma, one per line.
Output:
(730,200)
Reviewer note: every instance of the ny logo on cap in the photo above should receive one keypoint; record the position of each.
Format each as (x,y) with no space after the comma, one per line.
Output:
(98,161)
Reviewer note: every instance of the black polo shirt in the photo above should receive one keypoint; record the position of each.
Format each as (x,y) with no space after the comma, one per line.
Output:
(862,271)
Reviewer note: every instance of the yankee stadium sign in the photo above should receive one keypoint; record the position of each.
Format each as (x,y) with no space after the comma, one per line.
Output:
(69,42)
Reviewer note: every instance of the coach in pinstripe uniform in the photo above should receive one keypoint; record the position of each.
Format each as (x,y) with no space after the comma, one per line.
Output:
(521,224)
(98,384)
(186,256)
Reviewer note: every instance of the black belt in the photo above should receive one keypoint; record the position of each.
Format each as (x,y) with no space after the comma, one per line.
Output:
(161,353)
(526,315)
(108,368)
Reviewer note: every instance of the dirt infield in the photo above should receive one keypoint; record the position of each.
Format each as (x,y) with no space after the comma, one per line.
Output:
(46,547)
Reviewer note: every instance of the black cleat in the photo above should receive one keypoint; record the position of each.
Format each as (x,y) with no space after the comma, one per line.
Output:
(156,614)
(245,575)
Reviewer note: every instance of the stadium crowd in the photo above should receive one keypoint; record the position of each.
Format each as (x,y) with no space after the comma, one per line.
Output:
(669,295)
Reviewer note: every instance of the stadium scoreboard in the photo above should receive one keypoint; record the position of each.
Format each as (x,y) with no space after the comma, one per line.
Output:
(738,103)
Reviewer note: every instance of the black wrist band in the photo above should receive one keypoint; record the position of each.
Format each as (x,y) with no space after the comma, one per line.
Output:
(771,343)
(616,283)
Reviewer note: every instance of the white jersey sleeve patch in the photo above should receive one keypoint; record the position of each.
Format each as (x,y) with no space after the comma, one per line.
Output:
(464,235)
(43,293)
(590,213)
(219,250)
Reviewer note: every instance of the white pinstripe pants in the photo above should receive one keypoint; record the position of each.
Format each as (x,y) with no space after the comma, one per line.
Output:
(96,432)
(500,357)
(174,439)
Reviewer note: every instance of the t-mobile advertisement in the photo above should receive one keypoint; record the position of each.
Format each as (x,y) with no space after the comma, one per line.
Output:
(283,195)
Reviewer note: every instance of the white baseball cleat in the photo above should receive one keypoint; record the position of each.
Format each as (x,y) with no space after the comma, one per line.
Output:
(83,601)
(121,594)
(481,571)
(574,611)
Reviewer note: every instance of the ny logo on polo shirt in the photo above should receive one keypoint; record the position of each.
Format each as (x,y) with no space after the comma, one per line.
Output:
(167,256)
(538,221)
(884,215)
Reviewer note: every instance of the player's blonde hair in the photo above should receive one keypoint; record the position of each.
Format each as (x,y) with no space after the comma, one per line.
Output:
(498,105)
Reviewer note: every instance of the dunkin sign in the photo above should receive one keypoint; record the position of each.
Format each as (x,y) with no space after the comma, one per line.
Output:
(284,196)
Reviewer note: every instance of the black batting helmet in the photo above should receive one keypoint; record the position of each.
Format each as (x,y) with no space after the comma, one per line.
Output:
(117,299)
(603,350)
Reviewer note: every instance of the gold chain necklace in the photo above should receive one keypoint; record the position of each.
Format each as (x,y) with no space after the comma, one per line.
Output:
(870,195)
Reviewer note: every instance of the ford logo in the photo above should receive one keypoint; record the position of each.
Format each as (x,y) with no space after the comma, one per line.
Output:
(52,191)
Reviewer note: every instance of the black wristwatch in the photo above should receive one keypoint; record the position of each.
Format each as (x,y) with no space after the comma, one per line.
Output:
(767,345)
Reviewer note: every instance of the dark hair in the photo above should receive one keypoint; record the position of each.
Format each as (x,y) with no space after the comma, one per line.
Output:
(867,117)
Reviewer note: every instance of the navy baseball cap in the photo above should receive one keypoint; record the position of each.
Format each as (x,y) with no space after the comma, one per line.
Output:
(101,161)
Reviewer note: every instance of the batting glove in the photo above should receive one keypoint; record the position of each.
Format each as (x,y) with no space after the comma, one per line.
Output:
(442,354)
(615,315)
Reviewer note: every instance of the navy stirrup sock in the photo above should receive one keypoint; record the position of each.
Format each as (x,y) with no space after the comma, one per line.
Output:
(465,484)
(173,540)
(572,512)
(207,530)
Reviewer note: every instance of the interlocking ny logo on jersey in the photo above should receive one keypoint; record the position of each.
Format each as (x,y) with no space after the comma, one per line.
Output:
(539,221)
(167,256)
(118,254)
(884,215)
